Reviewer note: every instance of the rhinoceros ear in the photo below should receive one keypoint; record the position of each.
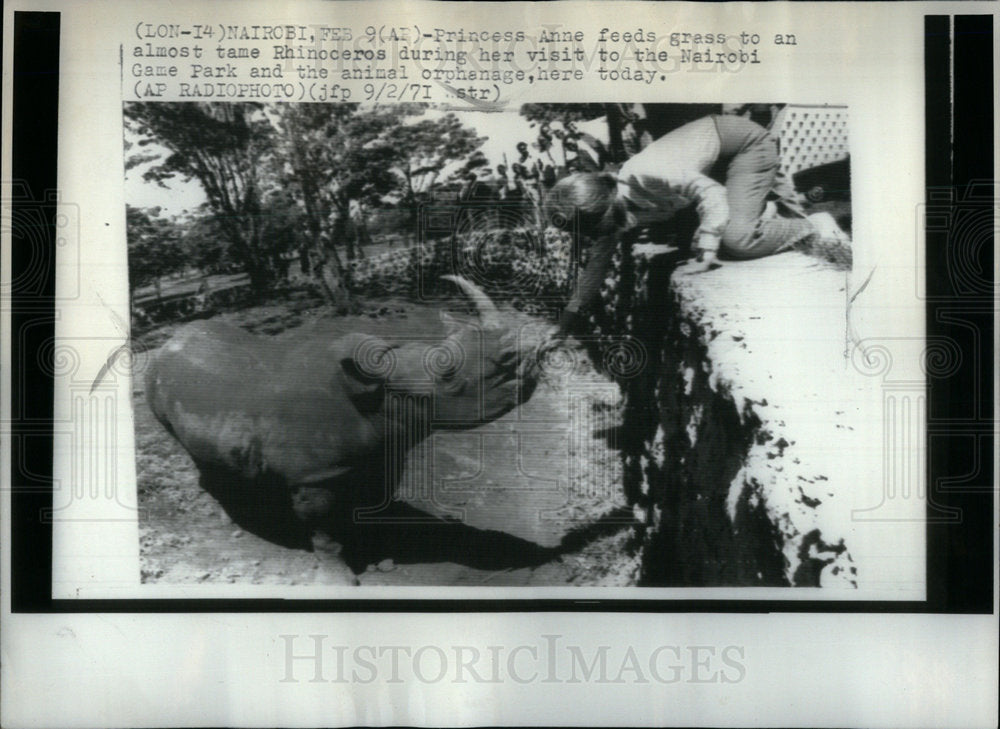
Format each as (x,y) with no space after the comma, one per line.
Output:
(365,364)
(451,324)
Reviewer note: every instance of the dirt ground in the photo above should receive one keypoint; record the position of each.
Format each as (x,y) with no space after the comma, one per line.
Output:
(533,498)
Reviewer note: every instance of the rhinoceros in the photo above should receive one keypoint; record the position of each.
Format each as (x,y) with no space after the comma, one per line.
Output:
(291,433)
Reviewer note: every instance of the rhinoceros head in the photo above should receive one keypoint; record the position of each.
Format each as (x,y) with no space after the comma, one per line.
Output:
(472,376)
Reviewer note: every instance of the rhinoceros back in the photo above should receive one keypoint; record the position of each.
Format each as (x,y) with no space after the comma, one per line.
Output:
(251,405)
(203,387)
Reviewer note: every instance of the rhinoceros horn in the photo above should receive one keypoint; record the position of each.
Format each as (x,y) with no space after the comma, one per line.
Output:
(489,315)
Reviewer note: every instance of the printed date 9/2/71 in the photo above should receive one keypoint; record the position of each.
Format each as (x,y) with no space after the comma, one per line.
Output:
(422,92)
(396,92)
(372,92)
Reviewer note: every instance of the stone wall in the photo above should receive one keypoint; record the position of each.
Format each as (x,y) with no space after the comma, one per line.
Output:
(728,429)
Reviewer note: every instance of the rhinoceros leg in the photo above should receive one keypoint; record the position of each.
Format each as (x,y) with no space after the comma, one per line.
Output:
(267,508)
(331,567)
(260,506)
(335,510)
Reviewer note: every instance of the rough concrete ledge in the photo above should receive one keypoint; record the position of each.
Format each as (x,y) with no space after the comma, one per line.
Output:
(740,436)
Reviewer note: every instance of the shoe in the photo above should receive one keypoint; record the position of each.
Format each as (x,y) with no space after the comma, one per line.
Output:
(828,241)
(828,230)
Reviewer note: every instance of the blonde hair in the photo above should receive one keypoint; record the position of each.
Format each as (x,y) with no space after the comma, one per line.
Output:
(592,198)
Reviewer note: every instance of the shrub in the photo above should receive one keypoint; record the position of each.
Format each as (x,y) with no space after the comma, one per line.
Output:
(515,265)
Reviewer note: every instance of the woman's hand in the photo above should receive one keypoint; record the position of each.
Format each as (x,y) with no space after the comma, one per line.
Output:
(706,261)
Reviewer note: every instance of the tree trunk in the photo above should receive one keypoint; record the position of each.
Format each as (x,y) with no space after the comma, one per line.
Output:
(333,289)
(414,219)
(339,233)
(260,277)
(280,265)
(332,249)
(246,239)
(616,147)
(364,237)
(332,286)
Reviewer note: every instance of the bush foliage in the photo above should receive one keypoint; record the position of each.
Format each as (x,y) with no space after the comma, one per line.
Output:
(516,265)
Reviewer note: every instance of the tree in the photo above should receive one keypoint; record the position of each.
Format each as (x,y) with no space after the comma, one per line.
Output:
(223,146)
(563,112)
(618,117)
(423,150)
(205,245)
(154,247)
(328,156)
(282,226)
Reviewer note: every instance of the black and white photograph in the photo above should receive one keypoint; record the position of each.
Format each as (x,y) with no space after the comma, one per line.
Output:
(412,345)
(430,363)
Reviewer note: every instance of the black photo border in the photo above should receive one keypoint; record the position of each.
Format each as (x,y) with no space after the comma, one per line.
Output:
(960,565)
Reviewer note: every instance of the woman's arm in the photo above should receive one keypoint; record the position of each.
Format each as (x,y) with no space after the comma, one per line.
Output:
(706,261)
(588,285)
(713,211)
